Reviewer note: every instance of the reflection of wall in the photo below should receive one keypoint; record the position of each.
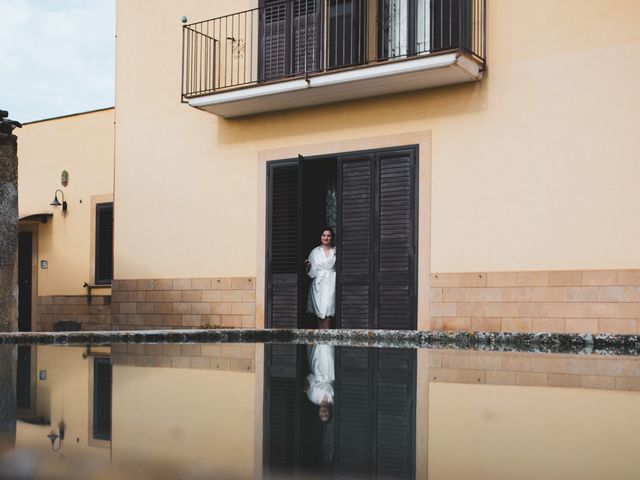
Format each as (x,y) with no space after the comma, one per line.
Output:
(502,432)
(64,396)
(194,419)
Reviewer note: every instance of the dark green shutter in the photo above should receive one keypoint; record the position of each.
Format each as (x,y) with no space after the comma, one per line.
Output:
(104,243)
(102,398)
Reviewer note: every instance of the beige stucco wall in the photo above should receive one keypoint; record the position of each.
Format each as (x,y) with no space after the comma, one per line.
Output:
(502,432)
(199,420)
(532,168)
(83,146)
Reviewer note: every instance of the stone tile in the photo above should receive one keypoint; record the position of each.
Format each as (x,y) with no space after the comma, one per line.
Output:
(201,283)
(201,308)
(154,319)
(581,325)
(163,308)
(192,296)
(600,310)
(117,296)
(611,293)
(551,325)
(485,324)
(548,364)
(531,379)
(181,308)
(135,296)
(436,294)
(624,383)
(501,309)
(248,321)
(190,349)
(453,359)
(518,324)
(500,378)
(182,284)
(172,296)
(517,294)
(153,349)
(232,295)
(145,284)
(456,324)
(442,375)
(243,283)
(220,283)
(127,308)
(565,310)
(144,361)
(126,285)
(599,277)
(153,296)
(628,277)
(203,363)
(163,284)
(212,296)
(45,301)
(180,362)
(472,279)
(470,309)
(231,350)
(456,294)
(485,295)
(162,361)
(221,308)
(622,326)
(516,362)
(532,279)
(591,381)
(172,349)
(435,359)
(618,367)
(249,296)
(145,308)
(211,320)
(192,320)
(210,350)
(581,366)
(470,376)
(443,310)
(549,294)
(220,363)
(501,279)
(436,324)
(628,310)
(444,280)
(583,294)
(241,365)
(563,380)
(565,278)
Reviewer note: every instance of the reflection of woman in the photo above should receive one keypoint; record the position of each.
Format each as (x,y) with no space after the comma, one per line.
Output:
(321,267)
(319,383)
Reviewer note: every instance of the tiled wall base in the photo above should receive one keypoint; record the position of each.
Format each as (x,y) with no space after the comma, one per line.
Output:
(52,309)
(619,373)
(238,358)
(606,301)
(184,303)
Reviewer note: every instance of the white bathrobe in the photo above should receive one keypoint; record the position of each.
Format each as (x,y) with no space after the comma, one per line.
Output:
(322,376)
(322,293)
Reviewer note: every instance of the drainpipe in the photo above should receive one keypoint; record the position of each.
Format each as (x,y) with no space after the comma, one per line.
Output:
(8,277)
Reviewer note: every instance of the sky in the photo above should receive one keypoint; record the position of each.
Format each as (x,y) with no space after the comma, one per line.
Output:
(57,57)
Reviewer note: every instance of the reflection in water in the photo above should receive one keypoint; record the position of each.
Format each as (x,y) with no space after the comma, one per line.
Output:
(7,397)
(319,382)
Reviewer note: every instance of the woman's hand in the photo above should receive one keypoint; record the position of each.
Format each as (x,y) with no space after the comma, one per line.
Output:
(307,265)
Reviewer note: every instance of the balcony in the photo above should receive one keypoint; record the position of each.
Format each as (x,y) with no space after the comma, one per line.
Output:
(297,53)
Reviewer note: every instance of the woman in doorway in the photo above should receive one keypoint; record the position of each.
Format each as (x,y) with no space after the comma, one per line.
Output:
(321,268)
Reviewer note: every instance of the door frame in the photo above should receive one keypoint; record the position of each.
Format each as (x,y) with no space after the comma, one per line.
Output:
(415,147)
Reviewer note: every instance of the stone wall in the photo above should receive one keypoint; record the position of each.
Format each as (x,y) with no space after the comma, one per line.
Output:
(184,303)
(606,301)
(76,308)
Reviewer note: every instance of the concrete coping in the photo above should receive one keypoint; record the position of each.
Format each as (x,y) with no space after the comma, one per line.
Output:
(579,343)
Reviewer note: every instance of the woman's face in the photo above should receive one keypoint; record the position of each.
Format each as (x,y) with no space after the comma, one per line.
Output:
(323,413)
(326,238)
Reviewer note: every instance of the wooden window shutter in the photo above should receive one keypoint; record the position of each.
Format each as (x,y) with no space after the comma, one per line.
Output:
(395,277)
(102,398)
(355,240)
(306,35)
(104,243)
(275,42)
(451,24)
(282,251)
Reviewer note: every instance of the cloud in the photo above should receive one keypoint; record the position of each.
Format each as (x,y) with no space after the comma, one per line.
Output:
(57,57)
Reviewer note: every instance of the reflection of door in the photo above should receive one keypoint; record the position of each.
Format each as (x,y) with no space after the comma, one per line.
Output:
(23,374)
(372,433)
(376,238)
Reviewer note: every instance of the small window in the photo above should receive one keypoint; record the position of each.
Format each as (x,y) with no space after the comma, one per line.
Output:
(104,243)
(102,398)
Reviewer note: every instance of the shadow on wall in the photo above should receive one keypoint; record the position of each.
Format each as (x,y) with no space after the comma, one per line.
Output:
(403,107)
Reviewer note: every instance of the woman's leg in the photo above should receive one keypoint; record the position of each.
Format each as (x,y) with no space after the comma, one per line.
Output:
(324,323)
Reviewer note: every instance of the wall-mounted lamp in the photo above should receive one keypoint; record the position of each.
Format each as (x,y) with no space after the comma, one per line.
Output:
(53,437)
(56,202)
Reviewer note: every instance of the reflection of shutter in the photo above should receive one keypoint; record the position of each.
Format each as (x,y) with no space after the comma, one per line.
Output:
(395,279)
(395,414)
(104,242)
(355,240)
(352,409)
(306,49)
(102,398)
(283,230)
(281,408)
(274,40)
(451,24)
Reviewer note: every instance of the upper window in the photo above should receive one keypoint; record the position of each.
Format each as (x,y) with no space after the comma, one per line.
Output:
(104,243)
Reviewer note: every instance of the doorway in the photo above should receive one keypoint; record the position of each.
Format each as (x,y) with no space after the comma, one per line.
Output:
(25,281)
(370,199)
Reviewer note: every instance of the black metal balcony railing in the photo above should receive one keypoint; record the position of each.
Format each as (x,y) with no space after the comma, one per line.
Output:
(297,38)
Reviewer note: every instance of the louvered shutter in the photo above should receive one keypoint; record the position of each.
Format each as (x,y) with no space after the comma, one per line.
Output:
(281,409)
(282,281)
(306,36)
(355,240)
(353,413)
(395,240)
(102,398)
(451,24)
(395,413)
(104,243)
(275,39)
